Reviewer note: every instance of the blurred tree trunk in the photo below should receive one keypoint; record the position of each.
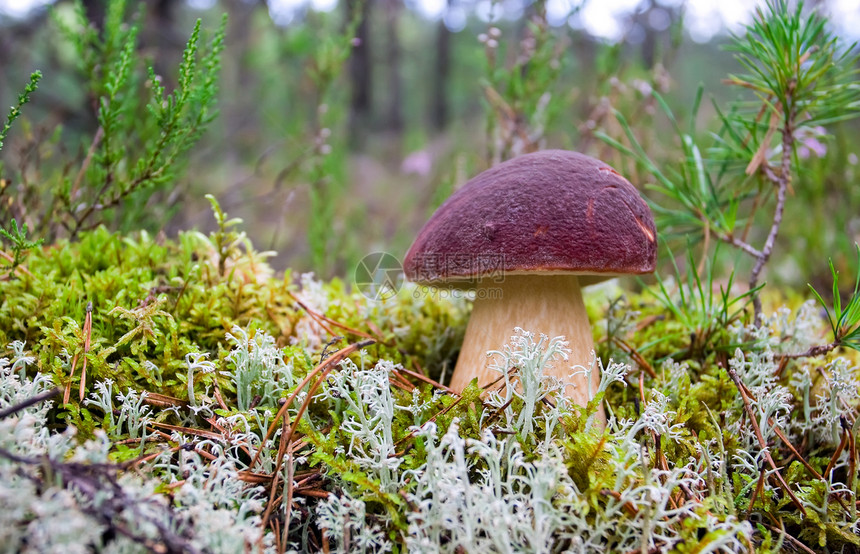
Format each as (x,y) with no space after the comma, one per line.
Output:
(95,10)
(359,71)
(649,41)
(160,40)
(394,117)
(239,107)
(439,101)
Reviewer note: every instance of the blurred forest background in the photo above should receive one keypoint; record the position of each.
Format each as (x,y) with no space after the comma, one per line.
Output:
(344,124)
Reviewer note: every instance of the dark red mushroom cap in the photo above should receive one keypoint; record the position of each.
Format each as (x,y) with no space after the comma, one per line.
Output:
(553,211)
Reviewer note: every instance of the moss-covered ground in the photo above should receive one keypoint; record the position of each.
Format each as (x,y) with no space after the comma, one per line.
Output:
(324,414)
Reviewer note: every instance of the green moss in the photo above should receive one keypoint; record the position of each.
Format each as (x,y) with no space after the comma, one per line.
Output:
(160,306)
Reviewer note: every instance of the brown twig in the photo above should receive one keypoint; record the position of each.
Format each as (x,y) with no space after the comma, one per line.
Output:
(812,352)
(629,506)
(796,543)
(97,137)
(782,436)
(38,399)
(322,318)
(637,357)
(751,416)
(759,490)
(320,373)
(738,243)
(10,259)
(838,452)
(88,334)
(331,360)
(426,379)
(97,480)
(782,181)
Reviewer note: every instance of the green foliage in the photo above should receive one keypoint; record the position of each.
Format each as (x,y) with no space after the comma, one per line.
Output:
(797,70)
(313,135)
(802,79)
(23,98)
(326,167)
(143,131)
(140,142)
(20,245)
(158,301)
(180,349)
(225,240)
(521,97)
(844,320)
(216,410)
(704,309)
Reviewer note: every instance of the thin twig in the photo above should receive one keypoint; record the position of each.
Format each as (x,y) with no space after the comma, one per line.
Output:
(426,379)
(782,181)
(334,358)
(838,452)
(96,480)
(97,138)
(32,401)
(796,543)
(322,371)
(88,335)
(783,438)
(751,416)
(19,267)
(321,318)
(637,357)
(738,243)
(812,352)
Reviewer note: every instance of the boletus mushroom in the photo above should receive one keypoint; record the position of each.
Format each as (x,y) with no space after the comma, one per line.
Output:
(527,234)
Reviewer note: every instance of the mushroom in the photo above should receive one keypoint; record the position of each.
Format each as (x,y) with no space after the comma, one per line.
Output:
(527,234)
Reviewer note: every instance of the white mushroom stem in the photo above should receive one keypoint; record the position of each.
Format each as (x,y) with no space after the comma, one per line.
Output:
(548,304)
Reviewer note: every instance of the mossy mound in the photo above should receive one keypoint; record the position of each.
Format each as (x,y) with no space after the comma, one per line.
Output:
(208,383)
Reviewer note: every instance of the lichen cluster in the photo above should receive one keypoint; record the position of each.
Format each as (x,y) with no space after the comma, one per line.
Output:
(222,408)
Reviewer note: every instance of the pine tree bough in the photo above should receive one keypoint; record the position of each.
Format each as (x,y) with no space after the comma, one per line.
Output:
(527,234)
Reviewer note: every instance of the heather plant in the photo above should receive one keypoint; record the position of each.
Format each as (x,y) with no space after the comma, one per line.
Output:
(17,236)
(20,245)
(520,99)
(315,146)
(143,130)
(23,98)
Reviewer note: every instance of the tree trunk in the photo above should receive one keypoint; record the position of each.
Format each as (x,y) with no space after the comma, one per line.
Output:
(360,72)
(95,11)
(160,39)
(439,101)
(394,117)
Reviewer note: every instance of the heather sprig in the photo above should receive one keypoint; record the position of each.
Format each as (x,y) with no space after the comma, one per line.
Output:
(15,111)
(20,245)
(143,130)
